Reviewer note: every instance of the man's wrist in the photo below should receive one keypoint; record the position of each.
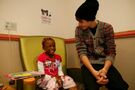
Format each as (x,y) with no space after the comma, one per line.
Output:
(105,70)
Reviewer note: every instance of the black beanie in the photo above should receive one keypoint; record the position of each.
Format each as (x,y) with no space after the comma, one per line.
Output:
(87,10)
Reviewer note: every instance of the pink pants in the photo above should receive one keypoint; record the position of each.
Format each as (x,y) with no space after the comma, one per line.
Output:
(51,84)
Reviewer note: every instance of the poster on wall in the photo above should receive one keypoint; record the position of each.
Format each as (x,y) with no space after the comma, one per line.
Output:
(46,16)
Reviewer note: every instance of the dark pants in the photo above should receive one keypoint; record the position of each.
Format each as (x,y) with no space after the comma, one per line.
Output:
(115,79)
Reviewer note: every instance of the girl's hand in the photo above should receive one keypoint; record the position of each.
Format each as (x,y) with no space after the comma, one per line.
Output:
(59,81)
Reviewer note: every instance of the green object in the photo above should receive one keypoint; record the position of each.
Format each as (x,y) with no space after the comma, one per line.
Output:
(31,47)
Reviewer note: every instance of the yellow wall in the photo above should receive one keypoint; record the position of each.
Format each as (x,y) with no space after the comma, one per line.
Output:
(9,58)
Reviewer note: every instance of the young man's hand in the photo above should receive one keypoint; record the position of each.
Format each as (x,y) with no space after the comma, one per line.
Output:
(103,77)
(100,76)
(96,74)
(103,73)
(102,81)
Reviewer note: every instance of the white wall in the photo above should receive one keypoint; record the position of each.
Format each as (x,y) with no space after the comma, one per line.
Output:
(27,15)
(120,13)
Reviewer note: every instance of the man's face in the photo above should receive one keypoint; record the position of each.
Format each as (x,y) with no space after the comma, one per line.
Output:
(84,24)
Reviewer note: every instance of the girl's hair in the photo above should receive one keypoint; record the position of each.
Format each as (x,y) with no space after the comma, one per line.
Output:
(44,41)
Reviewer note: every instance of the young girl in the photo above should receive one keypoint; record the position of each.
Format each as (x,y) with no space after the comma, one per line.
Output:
(50,64)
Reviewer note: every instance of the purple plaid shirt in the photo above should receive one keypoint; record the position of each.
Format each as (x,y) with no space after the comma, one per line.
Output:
(98,47)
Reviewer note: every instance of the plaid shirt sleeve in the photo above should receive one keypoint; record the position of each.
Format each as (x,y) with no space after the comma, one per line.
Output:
(110,42)
(80,45)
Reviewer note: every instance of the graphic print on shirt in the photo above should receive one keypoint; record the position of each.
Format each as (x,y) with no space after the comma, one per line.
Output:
(51,67)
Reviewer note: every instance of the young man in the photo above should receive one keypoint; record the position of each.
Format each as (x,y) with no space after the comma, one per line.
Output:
(96,48)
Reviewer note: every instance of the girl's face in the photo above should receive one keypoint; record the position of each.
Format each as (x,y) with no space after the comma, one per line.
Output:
(49,47)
